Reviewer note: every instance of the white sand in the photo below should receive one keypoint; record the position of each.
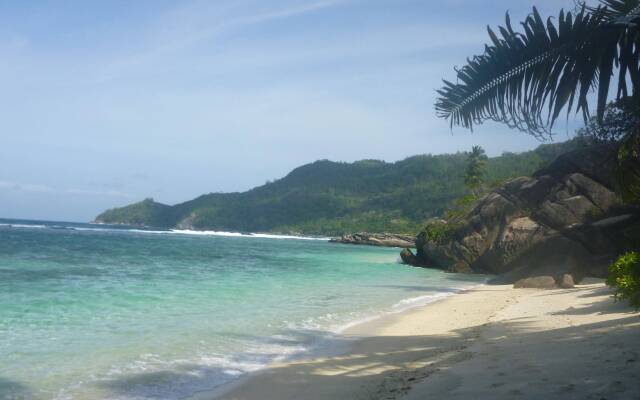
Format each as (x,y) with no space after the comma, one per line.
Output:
(490,343)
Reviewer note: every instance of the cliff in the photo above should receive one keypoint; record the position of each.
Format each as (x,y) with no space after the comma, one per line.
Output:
(566,219)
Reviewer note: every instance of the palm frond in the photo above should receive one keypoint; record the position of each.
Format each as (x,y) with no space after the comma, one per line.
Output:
(525,79)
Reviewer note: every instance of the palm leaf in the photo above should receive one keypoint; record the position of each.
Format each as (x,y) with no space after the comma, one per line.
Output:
(526,79)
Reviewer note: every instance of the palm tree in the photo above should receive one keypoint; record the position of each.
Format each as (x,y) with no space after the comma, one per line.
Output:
(475,170)
(526,79)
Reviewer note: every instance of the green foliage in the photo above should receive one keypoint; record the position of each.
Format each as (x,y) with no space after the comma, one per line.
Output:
(621,125)
(331,198)
(476,169)
(440,231)
(620,118)
(628,169)
(371,221)
(525,79)
(146,212)
(460,207)
(624,277)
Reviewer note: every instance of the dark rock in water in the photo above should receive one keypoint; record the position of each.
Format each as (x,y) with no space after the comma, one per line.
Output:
(536,282)
(566,219)
(565,281)
(377,239)
(409,258)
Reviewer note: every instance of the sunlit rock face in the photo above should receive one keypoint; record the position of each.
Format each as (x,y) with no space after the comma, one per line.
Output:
(566,219)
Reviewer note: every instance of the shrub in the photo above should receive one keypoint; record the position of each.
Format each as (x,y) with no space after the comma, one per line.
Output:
(440,232)
(461,207)
(624,277)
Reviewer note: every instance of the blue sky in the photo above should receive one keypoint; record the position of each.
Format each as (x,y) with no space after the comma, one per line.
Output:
(105,103)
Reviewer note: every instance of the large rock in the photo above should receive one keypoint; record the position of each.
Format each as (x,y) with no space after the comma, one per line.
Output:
(566,219)
(536,282)
(565,281)
(377,239)
(409,258)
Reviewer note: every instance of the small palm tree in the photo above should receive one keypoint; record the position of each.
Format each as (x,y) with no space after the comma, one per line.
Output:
(526,79)
(475,170)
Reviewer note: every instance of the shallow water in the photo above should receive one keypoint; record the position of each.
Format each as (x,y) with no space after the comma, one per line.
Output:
(108,312)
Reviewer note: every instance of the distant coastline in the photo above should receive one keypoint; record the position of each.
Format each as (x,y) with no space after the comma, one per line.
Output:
(328,198)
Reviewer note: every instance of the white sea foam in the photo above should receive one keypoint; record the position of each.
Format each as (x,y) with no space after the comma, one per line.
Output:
(404,305)
(24,226)
(272,236)
(208,373)
(103,228)
(202,373)
(247,235)
(210,233)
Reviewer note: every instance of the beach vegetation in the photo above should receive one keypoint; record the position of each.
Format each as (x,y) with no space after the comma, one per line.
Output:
(440,231)
(526,79)
(624,278)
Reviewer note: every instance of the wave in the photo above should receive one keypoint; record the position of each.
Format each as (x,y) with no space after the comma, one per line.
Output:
(249,235)
(183,378)
(405,305)
(211,373)
(25,226)
(229,234)
(99,228)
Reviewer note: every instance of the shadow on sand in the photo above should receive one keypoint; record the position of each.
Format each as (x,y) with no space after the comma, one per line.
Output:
(386,367)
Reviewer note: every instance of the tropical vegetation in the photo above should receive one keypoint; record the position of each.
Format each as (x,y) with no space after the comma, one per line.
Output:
(475,170)
(331,198)
(526,79)
(624,277)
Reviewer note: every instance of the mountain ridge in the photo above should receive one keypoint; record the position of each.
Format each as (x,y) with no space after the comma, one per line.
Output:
(328,197)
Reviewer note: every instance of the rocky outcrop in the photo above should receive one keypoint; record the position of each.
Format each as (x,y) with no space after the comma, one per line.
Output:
(377,239)
(566,219)
(409,258)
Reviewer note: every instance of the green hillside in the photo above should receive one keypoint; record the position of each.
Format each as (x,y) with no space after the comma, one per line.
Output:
(146,212)
(327,197)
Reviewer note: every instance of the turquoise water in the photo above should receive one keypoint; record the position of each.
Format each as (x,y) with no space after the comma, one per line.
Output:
(98,312)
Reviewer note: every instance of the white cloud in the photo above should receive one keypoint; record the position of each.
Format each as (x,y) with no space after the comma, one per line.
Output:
(196,23)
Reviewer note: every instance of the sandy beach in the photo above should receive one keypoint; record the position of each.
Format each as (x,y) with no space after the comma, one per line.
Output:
(492,342)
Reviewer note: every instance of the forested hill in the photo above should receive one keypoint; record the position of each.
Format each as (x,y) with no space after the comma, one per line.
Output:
(331,198)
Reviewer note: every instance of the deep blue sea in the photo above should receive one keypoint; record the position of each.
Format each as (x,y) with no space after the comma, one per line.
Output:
(110,312)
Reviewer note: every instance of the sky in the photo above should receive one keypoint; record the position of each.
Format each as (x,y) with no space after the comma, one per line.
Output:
(106,103)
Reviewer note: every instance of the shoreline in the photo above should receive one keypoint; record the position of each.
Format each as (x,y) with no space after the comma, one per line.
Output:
(439,349)
(348,336)
(345,334)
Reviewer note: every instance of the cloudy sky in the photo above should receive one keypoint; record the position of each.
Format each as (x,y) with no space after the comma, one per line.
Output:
(105,103)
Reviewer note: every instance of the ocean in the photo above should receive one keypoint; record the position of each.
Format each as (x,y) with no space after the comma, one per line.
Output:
(112,312)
